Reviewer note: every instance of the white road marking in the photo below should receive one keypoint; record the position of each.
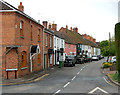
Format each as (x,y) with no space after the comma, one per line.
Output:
(66,84)
(97,88)
(81,69)
(57,91)
(84,67)
(73,77)
(78,73)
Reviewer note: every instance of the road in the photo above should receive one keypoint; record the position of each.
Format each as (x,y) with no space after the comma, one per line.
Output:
(83,78)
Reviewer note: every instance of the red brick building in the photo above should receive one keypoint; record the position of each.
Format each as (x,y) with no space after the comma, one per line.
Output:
(23,43)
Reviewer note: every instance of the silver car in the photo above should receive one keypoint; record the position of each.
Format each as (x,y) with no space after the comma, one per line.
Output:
(95,57)
(113,59)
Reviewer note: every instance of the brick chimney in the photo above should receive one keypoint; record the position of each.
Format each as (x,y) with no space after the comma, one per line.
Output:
(21,7)
(54,27)
(45,23)
(71,28)
(75,29)
(66,26)
(94,41)
(50,26)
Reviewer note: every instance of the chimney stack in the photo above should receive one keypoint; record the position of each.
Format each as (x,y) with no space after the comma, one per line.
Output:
(75,29)
(54,27)
(45,23)
(21,7)
(66,26)
(71,28)
(50,27)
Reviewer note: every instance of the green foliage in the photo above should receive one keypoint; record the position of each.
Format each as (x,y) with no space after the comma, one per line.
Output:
(115,77)
(117,43)
(106,49)
(107,64)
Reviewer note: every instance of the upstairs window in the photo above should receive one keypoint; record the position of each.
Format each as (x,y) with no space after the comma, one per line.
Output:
(21,28)
(38,34)
(46,39)
(50,41)
(31,34)
(69,46)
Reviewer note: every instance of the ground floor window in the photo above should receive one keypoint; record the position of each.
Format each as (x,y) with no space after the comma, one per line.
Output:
(50,58)
(39,59)
(23,59)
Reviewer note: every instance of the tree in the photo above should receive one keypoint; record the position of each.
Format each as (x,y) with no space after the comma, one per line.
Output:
(117,43)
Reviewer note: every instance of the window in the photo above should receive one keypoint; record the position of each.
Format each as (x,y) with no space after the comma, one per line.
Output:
(65,45)
(55,42)
(69,46)
(39,58)
(46,39)
(31,33)
(50,41)
(21,28)
(51,59)
(62,43)
(23,59)
(38,34)
(74,46)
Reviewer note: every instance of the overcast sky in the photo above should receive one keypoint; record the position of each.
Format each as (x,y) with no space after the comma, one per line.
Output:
(94,17)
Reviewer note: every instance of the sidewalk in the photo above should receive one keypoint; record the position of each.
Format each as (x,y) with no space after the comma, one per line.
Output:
(32,77)
(107,72)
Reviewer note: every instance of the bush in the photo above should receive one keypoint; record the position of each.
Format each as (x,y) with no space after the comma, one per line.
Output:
(107,64)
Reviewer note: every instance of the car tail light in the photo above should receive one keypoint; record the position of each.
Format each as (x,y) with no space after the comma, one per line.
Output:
(111,59)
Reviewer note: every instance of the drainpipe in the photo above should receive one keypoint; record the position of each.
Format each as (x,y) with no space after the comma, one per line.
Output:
(43,47)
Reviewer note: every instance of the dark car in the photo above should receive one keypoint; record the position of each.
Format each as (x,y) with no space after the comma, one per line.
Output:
(85,58)
(79,60)
(69,61)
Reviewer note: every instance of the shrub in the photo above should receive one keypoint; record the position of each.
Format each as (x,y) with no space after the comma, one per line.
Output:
(107,64)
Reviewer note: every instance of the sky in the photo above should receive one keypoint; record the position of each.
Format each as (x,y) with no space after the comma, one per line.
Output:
(94,17)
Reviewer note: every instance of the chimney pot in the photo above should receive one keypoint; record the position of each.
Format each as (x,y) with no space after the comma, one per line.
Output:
(45,23)
(21,7)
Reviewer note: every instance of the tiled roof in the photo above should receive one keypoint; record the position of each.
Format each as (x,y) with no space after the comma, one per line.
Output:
(4,7)
(76,37)
(91,43)
(65,37)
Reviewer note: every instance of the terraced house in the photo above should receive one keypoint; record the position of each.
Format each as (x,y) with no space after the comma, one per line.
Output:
(23,48)
(83,45)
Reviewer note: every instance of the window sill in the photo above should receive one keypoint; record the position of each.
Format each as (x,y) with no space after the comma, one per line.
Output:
(23,68)
(22,37)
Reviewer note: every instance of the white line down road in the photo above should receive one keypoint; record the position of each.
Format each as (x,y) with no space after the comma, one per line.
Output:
(97,88)
(66,84)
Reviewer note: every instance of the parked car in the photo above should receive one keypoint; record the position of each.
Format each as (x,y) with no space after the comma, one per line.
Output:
(69,61)
(85,58)
(95,57)
(113,59)
(79,60)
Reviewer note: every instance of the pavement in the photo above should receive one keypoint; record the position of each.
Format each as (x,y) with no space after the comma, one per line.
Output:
(32,77)
(107,72)
(85,78)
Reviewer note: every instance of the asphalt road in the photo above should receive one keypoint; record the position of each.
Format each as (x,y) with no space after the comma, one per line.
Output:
(83,78)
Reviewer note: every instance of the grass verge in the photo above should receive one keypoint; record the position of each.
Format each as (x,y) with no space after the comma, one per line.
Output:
(114,77)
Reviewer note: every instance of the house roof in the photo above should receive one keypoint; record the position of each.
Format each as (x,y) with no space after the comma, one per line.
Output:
(6,7)
(65,37)
(58,34)
(76,37)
